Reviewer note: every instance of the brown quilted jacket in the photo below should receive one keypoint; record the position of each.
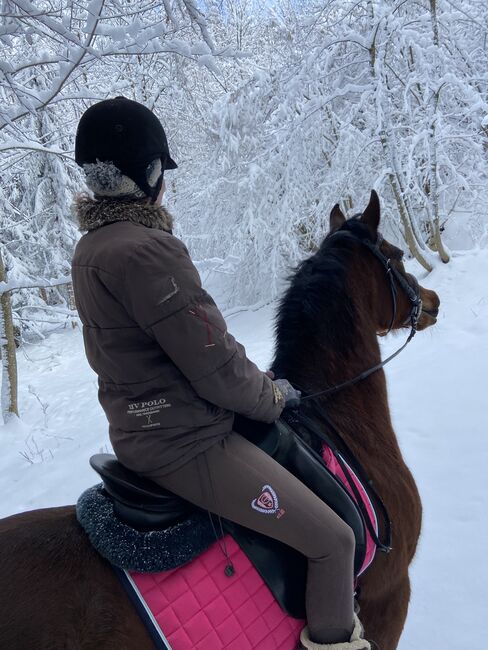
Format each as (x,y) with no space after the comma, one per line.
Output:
(170,375)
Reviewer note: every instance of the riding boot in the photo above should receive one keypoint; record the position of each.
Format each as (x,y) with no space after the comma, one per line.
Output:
(356,642)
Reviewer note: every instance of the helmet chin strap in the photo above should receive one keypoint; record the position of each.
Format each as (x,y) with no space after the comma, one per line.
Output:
(157,188)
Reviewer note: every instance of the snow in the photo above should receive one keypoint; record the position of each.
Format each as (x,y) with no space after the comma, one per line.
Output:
(437,391)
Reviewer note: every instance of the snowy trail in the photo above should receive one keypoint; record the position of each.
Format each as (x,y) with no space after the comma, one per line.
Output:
(438,397)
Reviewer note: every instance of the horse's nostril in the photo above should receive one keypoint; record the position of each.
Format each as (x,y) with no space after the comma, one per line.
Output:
(431,311)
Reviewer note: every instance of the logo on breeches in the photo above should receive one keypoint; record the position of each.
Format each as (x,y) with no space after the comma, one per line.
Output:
(267,502)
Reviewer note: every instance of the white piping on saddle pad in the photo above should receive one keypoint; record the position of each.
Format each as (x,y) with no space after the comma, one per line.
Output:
(148,611)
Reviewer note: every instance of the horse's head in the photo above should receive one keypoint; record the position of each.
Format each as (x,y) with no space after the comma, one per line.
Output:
(396,297)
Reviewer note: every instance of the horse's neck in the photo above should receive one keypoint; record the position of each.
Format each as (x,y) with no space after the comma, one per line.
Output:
(360,412)
(361,415)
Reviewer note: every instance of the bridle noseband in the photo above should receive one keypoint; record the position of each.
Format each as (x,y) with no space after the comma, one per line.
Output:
(394,276)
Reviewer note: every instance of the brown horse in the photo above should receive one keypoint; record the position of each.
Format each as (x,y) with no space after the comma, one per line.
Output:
(58,593)
(326,333)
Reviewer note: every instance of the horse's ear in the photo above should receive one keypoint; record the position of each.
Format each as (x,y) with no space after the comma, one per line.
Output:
(336,218)
(371,216)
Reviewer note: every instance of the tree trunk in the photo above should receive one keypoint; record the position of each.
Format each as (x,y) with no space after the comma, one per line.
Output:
(406,223)
(435,25)
(8,384)
(436,228)
(436,224)
(389,155)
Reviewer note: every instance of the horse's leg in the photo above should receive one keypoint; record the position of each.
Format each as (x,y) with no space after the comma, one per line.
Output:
(384,617)
(57,592)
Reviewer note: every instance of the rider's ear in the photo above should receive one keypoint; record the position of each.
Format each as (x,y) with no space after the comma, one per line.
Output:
(336,218)
(371,216)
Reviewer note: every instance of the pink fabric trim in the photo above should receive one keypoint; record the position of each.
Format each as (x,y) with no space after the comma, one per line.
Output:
(199,608)
(333,466)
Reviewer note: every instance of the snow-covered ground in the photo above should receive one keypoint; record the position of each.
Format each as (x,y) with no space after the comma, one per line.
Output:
(439,400)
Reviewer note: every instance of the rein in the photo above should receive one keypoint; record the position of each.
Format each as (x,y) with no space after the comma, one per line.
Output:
(413,318)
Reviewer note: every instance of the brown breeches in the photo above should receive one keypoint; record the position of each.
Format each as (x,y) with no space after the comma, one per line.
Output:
(231,480)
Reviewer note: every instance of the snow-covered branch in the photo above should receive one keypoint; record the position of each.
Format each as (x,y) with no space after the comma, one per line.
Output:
(94,33)
(35,284)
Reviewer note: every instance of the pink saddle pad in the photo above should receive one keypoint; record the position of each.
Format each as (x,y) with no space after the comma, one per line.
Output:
(198,607)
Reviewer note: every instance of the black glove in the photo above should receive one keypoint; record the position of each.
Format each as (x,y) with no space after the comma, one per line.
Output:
(285,391)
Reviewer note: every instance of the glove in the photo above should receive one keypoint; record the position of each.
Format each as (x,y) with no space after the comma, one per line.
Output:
(285,391)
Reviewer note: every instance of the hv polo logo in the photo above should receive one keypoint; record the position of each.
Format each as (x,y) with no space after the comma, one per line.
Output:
(145,411)
(267,502)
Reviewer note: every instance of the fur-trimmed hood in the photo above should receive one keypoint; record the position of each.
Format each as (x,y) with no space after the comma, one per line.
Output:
(93,213)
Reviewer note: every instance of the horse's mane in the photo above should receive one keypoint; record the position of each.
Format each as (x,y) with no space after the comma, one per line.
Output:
(316,308)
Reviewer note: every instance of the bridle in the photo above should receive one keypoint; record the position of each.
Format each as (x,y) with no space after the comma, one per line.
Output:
(393,274)
(395,277)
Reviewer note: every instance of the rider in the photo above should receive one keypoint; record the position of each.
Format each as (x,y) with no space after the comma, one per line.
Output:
(171,376)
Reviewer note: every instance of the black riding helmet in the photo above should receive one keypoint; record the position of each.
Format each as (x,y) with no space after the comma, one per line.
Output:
(127,134)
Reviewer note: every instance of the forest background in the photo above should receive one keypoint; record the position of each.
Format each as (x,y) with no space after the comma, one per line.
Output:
(274,112)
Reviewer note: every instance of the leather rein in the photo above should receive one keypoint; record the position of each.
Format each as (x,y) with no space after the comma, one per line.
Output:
(394,276)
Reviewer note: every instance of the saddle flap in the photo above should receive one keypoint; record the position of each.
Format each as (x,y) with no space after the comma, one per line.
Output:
(282,568)
(309,467)
(282,443)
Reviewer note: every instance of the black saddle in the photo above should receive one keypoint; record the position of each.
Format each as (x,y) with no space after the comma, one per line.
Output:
(145,506)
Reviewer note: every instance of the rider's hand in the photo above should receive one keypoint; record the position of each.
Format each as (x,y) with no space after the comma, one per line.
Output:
(290,395)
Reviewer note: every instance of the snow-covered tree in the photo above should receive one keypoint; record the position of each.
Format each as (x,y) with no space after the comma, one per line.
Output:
(387,94)
(274,112)
(56,59)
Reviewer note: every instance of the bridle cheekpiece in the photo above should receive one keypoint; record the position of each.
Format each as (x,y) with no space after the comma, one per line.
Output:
(393,275)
